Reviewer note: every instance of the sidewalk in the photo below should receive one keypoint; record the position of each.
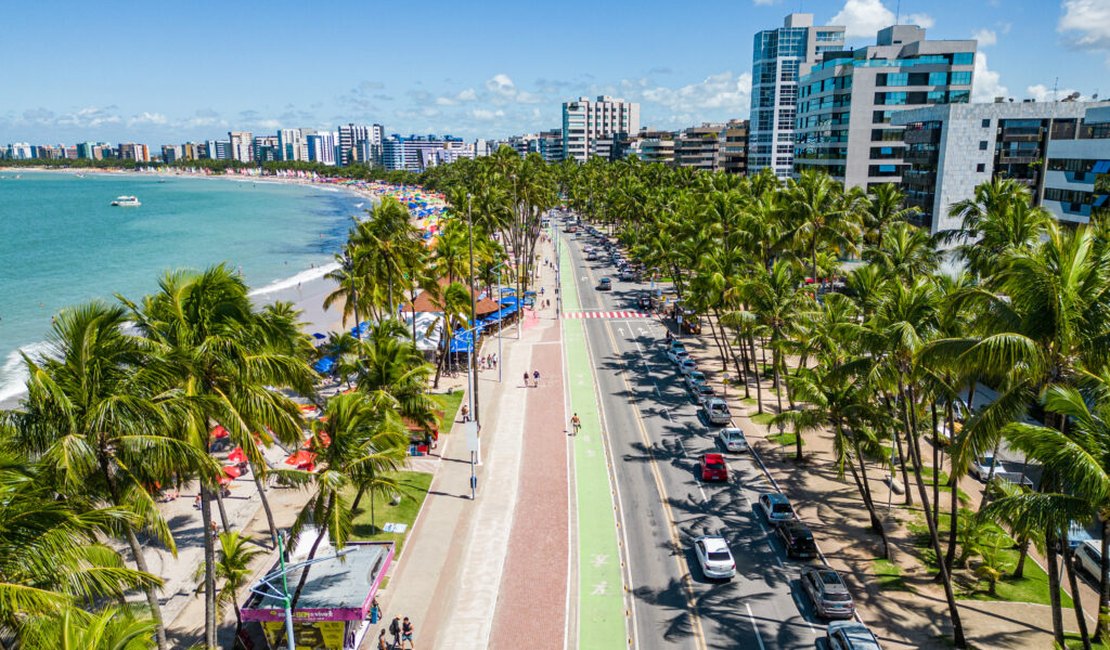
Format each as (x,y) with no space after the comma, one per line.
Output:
(492,572)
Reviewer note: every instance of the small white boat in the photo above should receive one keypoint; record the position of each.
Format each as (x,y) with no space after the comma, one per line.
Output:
(126,202)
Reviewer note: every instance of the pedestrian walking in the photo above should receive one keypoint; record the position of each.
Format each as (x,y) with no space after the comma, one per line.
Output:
(575,424)
(406,633)
(465,413)
(382,643)
(526,379)
(536,378)
(395,630)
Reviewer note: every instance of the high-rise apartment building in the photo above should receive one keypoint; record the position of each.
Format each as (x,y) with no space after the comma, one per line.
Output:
(292,144)
(134,151)
(241,145)
(416,153)
(588,125)
(321,147)
(551,145)
(1077,164)
(698,147)
(733,152)
(847,102)
(265,148)
(951,149)
(171,153)
(778,56)
(360,143)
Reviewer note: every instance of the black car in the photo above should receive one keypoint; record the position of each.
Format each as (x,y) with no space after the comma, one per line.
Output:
(645,301)
(797,539)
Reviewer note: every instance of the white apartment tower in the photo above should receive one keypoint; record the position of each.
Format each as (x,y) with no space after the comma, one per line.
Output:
(292,144)
(360,143)
(777,56)
(585,122)
(241,145)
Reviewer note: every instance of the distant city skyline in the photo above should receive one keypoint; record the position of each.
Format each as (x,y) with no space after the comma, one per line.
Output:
(172,73)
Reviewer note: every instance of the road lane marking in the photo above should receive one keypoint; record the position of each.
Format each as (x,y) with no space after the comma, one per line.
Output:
(802,611)
(664,500)
(704,499)
(755,626)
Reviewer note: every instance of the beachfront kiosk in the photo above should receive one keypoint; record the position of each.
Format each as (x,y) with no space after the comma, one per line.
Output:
(333,612)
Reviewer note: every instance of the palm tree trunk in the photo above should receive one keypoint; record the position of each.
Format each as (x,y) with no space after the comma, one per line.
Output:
(151,596)
(209,570)
(1069,567)
(1104,582)
(865,490)
(758,382)
(1054,586)
(954,506)
(223,511)
(1019,568)
(934,538)
(265,506)
(902,462)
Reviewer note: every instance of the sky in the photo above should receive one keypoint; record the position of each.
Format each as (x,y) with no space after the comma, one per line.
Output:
(179,70)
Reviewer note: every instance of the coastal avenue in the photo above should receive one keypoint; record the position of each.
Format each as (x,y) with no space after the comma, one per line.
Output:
(656,435)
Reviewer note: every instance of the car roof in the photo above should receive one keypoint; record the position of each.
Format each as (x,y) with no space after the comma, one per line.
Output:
(860,636)
(732,430)
(713,543)
(774,497)
(713,458)
(717,400)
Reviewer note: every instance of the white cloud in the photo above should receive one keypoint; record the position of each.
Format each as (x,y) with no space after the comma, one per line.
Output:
(723,91)
(501,84)
(985,37)
(986,83)
(91,117)
(863,18)
(1088,23)
(147,118)
(485,114)
(467,95)
(1043,93)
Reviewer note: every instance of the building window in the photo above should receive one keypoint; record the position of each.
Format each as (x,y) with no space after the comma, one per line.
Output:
(982,145)
(963,58)
(986,123)
(960,78)
(981,167)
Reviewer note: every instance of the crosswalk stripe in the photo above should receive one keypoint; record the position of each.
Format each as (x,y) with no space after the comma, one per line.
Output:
(606,314)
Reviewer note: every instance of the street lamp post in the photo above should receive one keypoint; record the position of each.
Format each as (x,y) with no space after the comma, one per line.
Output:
(473,317)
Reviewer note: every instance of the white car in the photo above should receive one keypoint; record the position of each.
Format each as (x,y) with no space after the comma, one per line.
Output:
(703,393)
(694,378)
(732,439)
(687,365)
(714,557)
(677,354)
(1088,557)
(981,467)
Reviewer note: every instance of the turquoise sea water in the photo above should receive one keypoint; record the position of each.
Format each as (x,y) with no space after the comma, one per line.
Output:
(61,243)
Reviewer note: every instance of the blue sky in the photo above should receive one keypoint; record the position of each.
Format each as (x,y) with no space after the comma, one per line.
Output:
(161,72)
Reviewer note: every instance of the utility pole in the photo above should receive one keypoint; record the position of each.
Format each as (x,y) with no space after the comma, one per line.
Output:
(473,316)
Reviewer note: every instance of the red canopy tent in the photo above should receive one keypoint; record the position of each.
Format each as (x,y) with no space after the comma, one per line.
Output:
(219,432)
(303,459)
(237,455)
(231,471)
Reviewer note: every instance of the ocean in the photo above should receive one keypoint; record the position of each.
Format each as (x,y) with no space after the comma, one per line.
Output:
(62,243)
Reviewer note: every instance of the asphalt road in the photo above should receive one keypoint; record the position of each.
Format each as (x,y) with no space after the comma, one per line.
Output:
(657,434)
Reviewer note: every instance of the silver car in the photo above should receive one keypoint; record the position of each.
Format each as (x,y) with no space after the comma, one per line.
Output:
(714,557)
(716,410)
(733,440)
(828,592)
(850,635)
(687,365)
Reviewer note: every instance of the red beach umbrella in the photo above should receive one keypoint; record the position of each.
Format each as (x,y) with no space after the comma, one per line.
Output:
(237,455)
(231,471)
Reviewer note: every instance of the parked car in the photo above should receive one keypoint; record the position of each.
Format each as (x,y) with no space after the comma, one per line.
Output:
(692,379)
(715,557)
(797,539)
(703,393)
(686,366)
(675,344)
(1088,557)
(981,467)
(716,411)
(828,592)
(732,439)
(644,301)
(604,284)
(677,354)
(776,507)
(850,635)
(628,275)
(713,468)
(591,256)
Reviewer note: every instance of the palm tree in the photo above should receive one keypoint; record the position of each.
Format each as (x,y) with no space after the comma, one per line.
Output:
(775,299)
(822,217)
(91,417)
(112,628)
(885,207)
(219,365)
(233,568)
(358,438)
(1000,219)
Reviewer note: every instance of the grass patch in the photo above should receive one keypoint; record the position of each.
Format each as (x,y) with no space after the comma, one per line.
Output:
(762,418)
(748,401)
(945,488)
(889,576)
(448,404)
(1032,587)
(1073,640)
(414,488)
(786,439)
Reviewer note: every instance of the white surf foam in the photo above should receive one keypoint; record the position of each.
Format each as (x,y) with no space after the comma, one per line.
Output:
(304,276)
(13,374)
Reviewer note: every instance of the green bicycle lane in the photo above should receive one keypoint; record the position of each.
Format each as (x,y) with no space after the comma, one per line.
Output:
(602,620)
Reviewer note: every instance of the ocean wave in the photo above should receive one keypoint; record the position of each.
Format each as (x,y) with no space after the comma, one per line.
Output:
(13,374)
(304,276)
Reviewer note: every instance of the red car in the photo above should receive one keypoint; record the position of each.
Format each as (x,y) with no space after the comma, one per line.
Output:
(713,468)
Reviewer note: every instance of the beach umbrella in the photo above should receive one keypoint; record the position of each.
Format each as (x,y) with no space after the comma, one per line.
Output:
(237,455)
(219,432)
(302,459)
(231,471)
